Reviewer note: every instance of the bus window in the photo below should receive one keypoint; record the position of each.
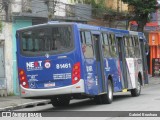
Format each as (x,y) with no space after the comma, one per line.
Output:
(87,46)
(27,41)
(54,40)
(88,38)
(105,41)
(83,38)
(24,46)
(113,49)
(130,47)
(136,48)
(126,46)
(83,42)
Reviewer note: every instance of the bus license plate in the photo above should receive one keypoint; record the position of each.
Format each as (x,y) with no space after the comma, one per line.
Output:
(49,85)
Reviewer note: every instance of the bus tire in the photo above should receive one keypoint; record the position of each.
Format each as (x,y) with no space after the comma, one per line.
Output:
(108,98)
(60,101)
(105,98)
(137,91)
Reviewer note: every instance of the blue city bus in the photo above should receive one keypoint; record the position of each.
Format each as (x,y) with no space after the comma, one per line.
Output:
(62,61)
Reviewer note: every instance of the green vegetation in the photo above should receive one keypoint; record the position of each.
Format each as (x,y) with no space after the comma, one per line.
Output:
(0,26)
(98,7)
(11,94)
(141,10)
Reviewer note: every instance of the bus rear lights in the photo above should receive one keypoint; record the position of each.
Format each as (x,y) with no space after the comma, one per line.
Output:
(21,72)
(23,92)
(23,79)
(24,83)
(78,86)
(76,67)
(76,78)
(76,73)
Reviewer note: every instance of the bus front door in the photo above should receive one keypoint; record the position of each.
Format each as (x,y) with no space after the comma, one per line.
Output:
(144,61)
(122,60)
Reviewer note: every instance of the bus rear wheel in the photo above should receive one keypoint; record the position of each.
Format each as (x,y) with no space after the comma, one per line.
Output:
(105,98)
(137,91)
(60,101)
(108,98)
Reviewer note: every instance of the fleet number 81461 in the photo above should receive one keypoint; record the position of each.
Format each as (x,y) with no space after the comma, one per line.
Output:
(63,66)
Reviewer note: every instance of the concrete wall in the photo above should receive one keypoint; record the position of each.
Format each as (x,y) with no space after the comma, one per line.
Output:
(61,8)
(7,32)
(16,25)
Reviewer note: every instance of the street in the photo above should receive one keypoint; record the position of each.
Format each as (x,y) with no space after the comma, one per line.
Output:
(149,100)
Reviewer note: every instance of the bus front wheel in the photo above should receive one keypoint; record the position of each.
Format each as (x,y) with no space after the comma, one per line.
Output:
(137,91)
(60,101)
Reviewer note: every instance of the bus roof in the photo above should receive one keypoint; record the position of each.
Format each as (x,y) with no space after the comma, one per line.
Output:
(49,23)
(118,32)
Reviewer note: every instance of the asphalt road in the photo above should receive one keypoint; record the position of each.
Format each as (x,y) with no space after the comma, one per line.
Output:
(149,100)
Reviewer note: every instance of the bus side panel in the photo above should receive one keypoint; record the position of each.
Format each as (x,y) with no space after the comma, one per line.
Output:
(91,77)
(88,67)
(132,73)
(112,68)
(134,67)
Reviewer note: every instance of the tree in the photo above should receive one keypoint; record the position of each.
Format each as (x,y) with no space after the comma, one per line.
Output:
(141,10)
(98,7)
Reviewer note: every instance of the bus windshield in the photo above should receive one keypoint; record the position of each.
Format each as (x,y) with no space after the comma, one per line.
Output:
(53,40)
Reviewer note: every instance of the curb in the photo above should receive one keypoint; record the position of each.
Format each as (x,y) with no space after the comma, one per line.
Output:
(26,105)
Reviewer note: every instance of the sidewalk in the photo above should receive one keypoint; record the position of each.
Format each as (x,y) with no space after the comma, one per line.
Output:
(154,80)
(16,102)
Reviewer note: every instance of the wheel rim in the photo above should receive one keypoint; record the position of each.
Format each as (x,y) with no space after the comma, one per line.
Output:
(139,87)
(110,92)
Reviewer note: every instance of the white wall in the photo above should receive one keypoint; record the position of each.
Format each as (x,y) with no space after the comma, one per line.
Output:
(7,32)
(16,6)
(60,8)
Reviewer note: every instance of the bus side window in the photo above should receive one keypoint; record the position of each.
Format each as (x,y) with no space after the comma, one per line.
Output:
(136,48)
(87,46)
(113,49)
(131,47)
(24,42)
(105,45)
(126,46)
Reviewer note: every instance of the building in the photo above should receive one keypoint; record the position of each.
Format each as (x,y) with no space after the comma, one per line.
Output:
(117,5)
(23,13)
